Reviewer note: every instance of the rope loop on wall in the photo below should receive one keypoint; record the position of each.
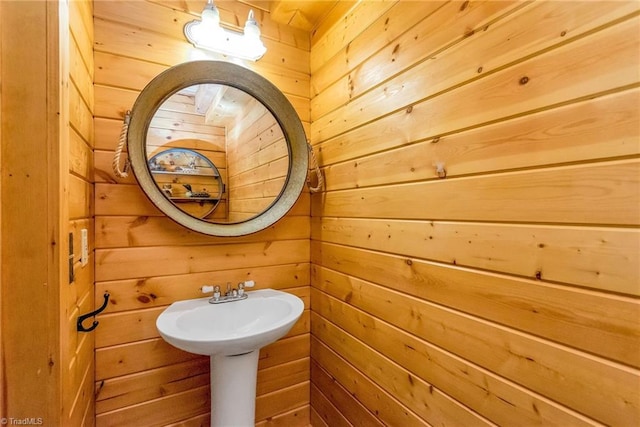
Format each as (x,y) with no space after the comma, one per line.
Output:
(314,169)
(123,140)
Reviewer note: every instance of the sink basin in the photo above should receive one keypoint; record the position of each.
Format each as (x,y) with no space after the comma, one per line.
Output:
(230,328)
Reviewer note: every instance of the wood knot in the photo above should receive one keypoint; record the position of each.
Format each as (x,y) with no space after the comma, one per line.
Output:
(524,80)
(409,109)
(348,297)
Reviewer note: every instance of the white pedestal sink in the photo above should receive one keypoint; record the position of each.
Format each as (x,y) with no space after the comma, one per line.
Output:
(232,334)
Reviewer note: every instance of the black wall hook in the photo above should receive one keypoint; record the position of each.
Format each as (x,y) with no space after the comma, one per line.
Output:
(81,328)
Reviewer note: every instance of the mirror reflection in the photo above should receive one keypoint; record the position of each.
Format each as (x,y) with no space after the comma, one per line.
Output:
(217,153)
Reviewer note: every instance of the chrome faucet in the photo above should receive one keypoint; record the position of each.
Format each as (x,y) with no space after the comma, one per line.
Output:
(231,294)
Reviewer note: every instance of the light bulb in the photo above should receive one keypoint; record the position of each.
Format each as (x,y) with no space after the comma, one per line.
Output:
(251,28)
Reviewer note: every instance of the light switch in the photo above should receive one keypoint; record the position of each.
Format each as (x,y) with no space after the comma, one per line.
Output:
(84,258)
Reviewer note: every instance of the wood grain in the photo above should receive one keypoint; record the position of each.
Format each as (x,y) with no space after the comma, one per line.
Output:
(134,42)
(497,283)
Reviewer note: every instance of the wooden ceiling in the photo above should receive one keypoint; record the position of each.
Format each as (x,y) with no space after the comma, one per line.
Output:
(300,14)
(303,14)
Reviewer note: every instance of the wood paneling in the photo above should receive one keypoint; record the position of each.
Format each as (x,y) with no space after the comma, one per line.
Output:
(49,101)
(34,156)
(79,295)
(145,261)
(258,162)
(507,291)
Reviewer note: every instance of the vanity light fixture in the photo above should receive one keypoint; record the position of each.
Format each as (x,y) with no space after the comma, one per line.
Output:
(208,34)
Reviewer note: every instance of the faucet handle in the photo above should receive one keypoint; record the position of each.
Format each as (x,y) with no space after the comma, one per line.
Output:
(245,284)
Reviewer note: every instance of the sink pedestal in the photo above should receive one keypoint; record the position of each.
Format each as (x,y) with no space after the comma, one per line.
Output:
(233,390)
(232,334)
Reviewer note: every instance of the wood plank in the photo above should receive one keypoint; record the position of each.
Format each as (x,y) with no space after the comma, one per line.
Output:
(125,359)
(425,400)
(336,402)
(601,193)
(282,376)
(491,396)
(81,30)
(131,294)
(339,10)
(578,318)
(358,18)
(79,198)
(80,116)
(594,129)
(103,168)
(116,328)
(402,104)
(34,209)
(107,133)
(122,200)
(135,74)
(128,390)
(113,264)
(80,75)
(156,231)
(120,74)
(3,395)
(407,34)
(74,340)
(129,200)
(298,417)
(197,421)
(384,405)
(80,157)
(77,298)
(326,409)
(83,399)
(316,420)
(548,253)
(113,103)
(167,409)
(124,72)
(501,39)
(283,400)
(284,350)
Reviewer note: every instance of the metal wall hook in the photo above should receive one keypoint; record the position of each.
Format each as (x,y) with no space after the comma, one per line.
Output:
(440,170)
(81,328)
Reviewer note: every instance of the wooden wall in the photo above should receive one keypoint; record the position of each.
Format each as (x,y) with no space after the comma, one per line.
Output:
(33,207)
(505,292)
(258,162)
(146,262)
(78,296)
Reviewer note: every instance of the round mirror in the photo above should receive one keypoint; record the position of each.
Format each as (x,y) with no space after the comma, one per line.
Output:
(217,148)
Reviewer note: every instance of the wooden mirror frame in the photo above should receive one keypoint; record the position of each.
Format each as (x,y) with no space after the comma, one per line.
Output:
(224,73)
